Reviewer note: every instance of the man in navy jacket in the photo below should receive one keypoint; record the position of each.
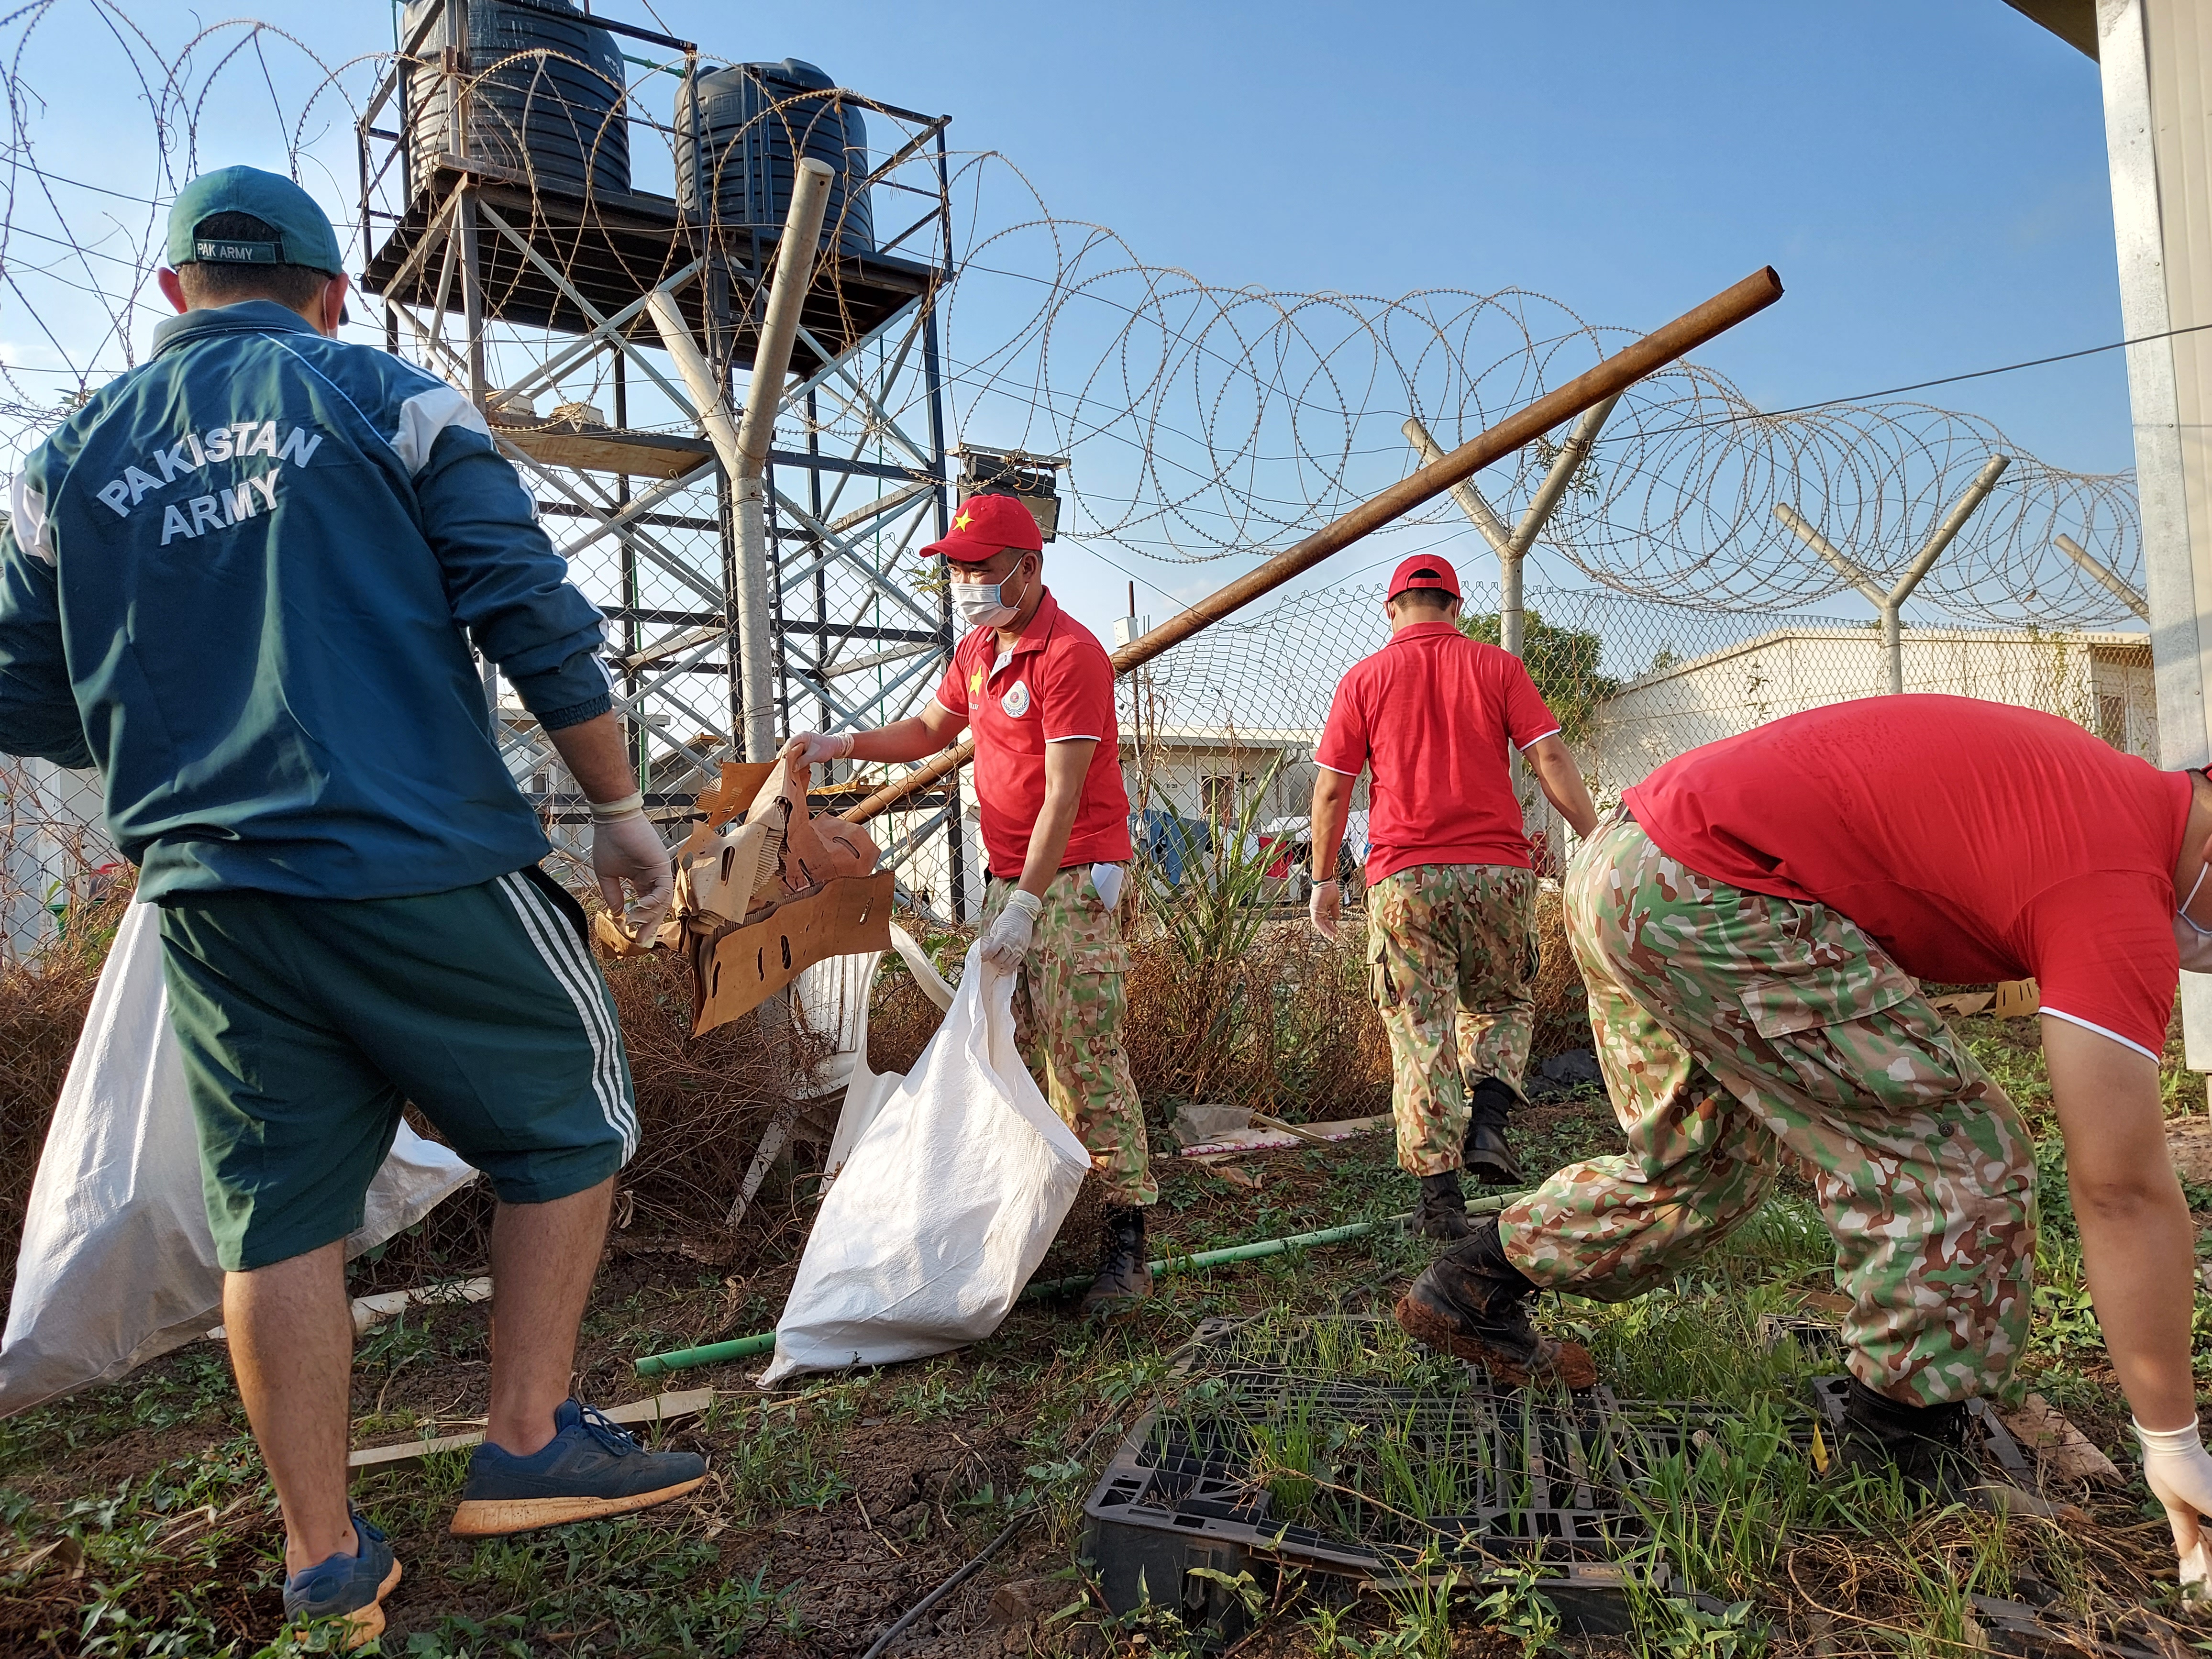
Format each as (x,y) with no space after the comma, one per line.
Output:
(243,580)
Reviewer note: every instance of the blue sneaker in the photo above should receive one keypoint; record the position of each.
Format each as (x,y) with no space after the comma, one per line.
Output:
(589,1469)
(351,1587)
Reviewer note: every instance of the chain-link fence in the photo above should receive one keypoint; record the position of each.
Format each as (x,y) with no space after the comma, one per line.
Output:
(1232,999)
(1222,728)
(1236,712)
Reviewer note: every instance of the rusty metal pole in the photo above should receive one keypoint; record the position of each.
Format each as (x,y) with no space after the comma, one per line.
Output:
(1617,373)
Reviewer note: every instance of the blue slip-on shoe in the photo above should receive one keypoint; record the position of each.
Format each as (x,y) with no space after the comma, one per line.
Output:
(590,1469)
(351,1587)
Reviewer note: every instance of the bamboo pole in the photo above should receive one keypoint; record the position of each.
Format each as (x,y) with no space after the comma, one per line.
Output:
(1614,376)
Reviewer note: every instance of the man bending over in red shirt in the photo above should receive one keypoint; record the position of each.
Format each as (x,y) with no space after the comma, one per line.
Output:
(1750,925)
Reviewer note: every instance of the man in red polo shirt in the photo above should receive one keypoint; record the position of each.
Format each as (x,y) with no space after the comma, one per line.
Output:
(1451,899)
(1038,689)
(1750,925)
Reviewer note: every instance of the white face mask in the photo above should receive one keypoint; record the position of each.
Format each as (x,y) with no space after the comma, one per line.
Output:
(983,604)
(2195,943)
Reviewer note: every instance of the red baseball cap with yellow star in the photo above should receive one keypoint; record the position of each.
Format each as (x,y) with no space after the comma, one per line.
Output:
(984,526)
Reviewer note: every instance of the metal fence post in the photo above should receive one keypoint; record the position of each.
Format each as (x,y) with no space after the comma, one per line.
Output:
(742,446)
(2105,573)
(1512,547)
(1890,603)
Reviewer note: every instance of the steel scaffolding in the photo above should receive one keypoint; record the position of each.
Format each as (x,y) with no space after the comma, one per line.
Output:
(529,288)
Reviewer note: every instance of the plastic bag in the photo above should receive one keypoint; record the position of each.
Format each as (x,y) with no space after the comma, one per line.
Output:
(117,1264)
(945,1205)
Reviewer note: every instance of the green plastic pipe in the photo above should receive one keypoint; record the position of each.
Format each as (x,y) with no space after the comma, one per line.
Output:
(714,1354)
(745,1347)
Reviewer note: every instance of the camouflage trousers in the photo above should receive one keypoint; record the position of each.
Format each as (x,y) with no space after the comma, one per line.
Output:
(1451,955)
(1068,1008)
(1731,1026)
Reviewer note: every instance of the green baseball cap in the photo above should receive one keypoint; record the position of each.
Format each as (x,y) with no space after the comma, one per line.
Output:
(304,236)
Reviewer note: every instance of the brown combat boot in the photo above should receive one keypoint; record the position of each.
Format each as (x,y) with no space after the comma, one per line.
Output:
(1124,1276)
(1469,1302)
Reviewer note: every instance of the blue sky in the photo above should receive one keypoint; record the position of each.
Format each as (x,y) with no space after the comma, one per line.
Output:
(1928,175)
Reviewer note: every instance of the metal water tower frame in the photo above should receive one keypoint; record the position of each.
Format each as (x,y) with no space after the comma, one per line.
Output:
(549,282)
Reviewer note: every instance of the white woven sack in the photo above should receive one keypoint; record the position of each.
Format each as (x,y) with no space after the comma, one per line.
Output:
(117,1264)
(944,1206)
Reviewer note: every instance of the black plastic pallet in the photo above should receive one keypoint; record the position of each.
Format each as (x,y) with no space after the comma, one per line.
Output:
(1543,1482)
(2017,1628)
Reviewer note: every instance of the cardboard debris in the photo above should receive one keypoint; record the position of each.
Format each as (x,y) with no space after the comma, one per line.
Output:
(1962,1005)
(2066,1452)
(617,940)
(764,890)
(659,1409)
(1237,1175)
(741,781)
(740,968)
(2018,997)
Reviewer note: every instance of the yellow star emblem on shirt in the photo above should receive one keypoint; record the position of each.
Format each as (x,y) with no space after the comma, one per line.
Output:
(961,523)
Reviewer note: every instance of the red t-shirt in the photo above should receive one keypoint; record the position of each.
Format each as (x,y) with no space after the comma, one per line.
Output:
(1432,712)
(1973,840)
(1054,685)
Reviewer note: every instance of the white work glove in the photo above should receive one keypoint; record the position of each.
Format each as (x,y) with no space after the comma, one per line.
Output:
(625,847)
(813,749)
(2180,1475)
(1324,907)
(1006,940)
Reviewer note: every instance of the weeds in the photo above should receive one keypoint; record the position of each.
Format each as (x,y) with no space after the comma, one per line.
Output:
(1353,1431)
(1676,1627)
(1723,1508)
(1520,1609)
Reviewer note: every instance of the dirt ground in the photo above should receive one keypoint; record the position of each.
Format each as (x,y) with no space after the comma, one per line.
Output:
(138,1521)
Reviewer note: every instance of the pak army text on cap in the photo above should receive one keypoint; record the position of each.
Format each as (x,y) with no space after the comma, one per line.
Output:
(304,235)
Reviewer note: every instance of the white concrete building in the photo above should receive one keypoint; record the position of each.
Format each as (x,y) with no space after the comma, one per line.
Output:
(1203,771)
(2102,681)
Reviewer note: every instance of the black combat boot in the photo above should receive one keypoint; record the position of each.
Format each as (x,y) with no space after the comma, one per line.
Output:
(1442,1214)
(1471,1302)
(1926,1444)
(1124,1276)
(1487,1158)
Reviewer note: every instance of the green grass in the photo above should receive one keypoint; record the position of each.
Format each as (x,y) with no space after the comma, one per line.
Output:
(180,1557)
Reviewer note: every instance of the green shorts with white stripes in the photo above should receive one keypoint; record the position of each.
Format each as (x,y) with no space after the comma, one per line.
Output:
(306,1024)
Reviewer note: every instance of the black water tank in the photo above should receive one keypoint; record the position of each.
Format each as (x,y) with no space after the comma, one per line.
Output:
(550,114)
(754,123)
